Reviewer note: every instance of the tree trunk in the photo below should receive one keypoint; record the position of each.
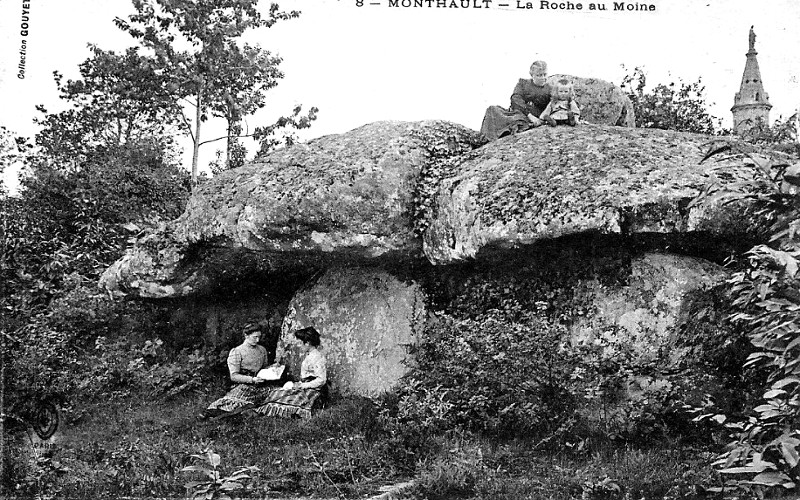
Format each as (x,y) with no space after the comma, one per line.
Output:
(196,150)
(228,148)
(797,126)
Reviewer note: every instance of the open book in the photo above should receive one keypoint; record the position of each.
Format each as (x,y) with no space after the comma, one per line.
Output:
(273,372)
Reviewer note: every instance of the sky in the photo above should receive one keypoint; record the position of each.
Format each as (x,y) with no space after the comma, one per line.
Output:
(360,64)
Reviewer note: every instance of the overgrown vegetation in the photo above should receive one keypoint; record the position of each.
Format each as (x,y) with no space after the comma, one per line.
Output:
(139,447)
(672,106)
(98,174)
(764,451)
(501,402)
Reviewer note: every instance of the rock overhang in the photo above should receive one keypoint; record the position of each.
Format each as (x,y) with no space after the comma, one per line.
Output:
(392,193)
(552,182)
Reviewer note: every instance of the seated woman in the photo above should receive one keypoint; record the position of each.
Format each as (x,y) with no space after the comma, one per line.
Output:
(246,360)
(528,101)
(299,399)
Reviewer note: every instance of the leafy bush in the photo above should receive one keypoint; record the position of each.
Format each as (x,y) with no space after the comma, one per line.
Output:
(520,375)
(782,132)
(671,106)
(764,450)
(489,375)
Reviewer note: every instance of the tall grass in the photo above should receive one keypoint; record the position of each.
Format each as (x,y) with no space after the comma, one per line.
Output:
(136,448)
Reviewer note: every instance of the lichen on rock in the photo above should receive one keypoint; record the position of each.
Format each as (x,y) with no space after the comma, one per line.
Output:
(551,182)
(346,197)
(392,192)
(367,320)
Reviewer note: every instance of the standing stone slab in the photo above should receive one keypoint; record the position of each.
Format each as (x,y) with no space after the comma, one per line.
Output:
(366,318)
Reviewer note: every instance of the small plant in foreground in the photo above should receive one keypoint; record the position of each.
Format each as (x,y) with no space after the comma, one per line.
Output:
(602,489)
(214,486)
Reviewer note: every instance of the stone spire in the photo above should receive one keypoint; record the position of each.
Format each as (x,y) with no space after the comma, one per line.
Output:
(751,104)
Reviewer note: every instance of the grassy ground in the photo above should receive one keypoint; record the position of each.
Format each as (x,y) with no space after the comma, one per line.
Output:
(137,446)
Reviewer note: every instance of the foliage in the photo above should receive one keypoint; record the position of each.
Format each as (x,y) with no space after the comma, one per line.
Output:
(215,75)
(213,486)
(266,135)
(120,100)
(85,346)
(708,338)
(765,446)
(446,151)
(620,393)
(79,220)
(13,149)
(674,106)
(782,132)
(489,375)
(103,169)
(118,367)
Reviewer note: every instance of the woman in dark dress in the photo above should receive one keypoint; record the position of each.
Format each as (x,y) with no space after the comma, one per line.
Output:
(529,99)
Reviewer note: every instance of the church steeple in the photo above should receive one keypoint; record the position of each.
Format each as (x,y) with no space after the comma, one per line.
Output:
(751,104)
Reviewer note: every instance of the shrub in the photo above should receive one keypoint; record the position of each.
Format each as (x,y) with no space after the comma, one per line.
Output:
(764,451)
(213,485)
(489,375)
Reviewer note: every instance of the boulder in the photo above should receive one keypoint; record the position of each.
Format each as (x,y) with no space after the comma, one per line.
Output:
(151,269)
(557,181)
(392,192)
(340,197)
(366,319)
(351,191)
(644,313)
(601,102)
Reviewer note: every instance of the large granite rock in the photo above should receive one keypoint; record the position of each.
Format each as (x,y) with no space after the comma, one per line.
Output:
(339,197)
(391,191)
(152,269)
(601,102)
(366,319)
(351,191)
(557,181)
(645,312)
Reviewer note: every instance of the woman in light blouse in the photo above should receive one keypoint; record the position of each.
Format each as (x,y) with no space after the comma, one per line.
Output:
(244,362)
(313,371)
(297,400)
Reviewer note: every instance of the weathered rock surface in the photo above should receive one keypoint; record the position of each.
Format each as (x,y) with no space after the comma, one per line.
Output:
(366,196)
(644,314)
(152,269)
(366,318)
(340,196)
(351,191)
(601,102)
(556,181)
